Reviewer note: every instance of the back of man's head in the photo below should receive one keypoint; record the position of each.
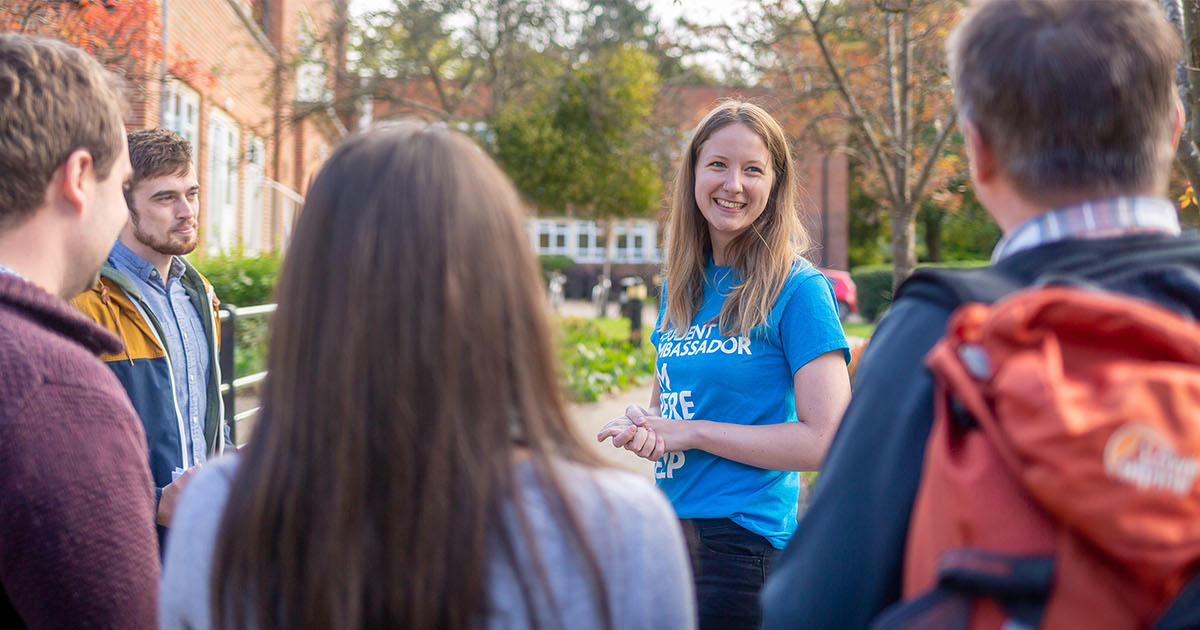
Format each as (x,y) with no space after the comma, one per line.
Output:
(1071,96)
(54,99)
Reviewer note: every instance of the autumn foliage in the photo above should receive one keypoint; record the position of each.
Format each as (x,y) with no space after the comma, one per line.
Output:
(124,35)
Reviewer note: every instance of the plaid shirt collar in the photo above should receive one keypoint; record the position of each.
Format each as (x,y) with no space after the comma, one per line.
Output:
(8,271)
(1105,218)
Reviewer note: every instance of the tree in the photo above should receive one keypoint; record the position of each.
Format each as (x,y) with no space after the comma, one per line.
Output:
(866,77)
(584,143)
(122,36)
(443,56)
(1185,16)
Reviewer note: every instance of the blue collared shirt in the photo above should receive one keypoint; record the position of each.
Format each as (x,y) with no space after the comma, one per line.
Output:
(1102,218)
(184,337)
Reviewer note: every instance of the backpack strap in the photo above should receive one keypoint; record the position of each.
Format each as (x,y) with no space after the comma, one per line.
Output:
(1018,584)
(951,287)
(1184,611)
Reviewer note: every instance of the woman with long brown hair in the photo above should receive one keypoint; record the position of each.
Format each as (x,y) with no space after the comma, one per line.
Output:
(413,466)
(751,366)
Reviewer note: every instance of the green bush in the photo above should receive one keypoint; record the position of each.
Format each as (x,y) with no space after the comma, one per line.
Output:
(241,280)
(874,284)
(554,262)
(597,358)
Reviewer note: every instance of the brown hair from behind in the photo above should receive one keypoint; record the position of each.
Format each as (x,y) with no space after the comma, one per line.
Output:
(1073,97)
(763,254)
(155,153)
(54,99)
(410,363)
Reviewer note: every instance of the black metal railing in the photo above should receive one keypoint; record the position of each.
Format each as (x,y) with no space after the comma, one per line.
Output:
(230,382)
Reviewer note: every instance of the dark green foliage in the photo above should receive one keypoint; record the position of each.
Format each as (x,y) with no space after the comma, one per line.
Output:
(242,281)
(554,262)
(874,283)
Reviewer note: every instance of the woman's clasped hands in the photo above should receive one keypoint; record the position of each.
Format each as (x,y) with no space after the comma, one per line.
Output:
(645,435)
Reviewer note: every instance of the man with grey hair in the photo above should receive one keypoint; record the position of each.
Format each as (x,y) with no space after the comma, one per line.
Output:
(1070,118)
(77,542)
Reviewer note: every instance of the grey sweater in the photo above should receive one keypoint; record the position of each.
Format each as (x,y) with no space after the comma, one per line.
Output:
(629,523)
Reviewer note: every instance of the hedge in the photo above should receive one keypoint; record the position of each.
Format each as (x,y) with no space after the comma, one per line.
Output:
(874,284)
(554,262)
(241,280)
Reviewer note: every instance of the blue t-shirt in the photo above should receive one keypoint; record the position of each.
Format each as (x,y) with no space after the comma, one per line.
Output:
(745,380)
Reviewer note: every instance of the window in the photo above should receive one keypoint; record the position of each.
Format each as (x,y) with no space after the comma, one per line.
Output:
(311,86)
(223,156)
(591,248)
(181,113)
(252,236)
(552,237)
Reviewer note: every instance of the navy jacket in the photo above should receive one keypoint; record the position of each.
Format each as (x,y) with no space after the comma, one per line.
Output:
(844,565)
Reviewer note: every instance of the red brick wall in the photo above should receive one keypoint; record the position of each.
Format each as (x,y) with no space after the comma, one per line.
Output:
(823,208)
(226,39)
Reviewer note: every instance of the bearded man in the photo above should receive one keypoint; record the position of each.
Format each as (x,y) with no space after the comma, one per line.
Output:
(166,313)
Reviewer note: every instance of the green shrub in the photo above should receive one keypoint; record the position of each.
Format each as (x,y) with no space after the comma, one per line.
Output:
(874,284)
(554,262)
(597,358)
(241,280)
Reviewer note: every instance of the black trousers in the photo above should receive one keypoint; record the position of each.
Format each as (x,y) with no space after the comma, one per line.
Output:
(730,564)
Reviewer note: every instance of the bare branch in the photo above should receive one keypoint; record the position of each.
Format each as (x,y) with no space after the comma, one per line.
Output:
(856,111)
(931,159)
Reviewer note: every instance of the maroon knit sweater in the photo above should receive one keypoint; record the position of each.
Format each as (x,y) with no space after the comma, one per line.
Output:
(77,541)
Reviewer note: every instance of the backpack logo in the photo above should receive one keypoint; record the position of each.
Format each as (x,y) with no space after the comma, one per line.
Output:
(1140,455)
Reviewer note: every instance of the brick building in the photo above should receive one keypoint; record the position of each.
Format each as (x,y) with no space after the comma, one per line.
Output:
(255,157)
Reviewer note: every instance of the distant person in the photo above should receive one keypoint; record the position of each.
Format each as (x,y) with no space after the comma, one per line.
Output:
(166,314)
(751,366)
(77,545)
(556,282)
(413,466)
(1070,118)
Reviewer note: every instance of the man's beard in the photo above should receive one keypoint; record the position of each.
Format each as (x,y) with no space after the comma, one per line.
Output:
(170,244)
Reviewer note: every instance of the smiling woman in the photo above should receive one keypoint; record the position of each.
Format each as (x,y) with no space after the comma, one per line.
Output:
(751,360)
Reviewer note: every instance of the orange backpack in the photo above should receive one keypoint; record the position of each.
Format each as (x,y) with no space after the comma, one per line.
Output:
(1059,487)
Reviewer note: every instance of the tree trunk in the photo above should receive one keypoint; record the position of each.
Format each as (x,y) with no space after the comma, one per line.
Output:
(932,221)
(606,271)
(904,238)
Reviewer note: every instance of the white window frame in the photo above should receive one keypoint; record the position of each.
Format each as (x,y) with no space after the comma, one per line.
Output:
(224,153)
(254,195)
(181,114)
(558,237)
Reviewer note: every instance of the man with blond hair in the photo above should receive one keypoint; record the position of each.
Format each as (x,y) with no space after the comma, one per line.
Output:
(77,543)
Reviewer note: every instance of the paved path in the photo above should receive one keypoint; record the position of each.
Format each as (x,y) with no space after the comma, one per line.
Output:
(587,419)
(585,308)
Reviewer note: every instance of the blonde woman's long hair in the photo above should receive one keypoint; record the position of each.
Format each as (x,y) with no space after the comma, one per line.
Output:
(762,255)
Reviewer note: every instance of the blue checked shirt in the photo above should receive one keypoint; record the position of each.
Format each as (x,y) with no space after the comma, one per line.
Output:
(183,333)
(1105,218)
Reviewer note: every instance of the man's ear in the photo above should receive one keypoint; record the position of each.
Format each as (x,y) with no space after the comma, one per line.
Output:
(74,179)
(980,158)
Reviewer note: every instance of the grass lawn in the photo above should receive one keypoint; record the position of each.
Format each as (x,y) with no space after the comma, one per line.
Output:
(863,330)
(615,328)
